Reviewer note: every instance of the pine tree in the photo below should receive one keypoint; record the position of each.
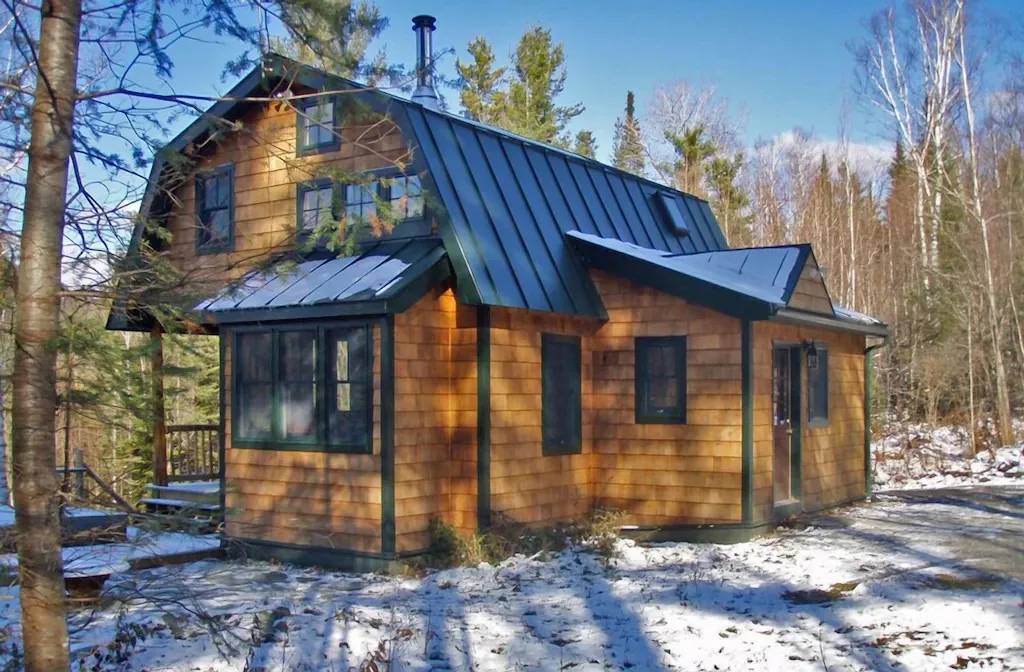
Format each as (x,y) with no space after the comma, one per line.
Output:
(627,148)
(538,79)
(729,200)
(482,96)
(585,145)
(332,35)
(693,150)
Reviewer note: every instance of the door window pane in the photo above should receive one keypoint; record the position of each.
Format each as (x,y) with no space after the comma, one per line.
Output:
(348,391)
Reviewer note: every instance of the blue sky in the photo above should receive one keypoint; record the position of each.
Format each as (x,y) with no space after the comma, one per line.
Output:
(785,64)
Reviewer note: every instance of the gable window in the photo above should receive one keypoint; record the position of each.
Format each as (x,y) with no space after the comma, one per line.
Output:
(562,396)
(215,209)
(817,386)
(316,126)
(304,389)
(661,379)
(405,196)
(316,205)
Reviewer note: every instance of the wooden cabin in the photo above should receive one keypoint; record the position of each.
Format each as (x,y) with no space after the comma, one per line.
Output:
(538,335)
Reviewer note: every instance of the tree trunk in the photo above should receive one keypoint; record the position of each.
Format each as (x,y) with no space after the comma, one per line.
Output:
(44,624)
(159,420)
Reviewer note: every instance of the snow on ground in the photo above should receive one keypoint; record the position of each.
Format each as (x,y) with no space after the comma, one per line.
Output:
(919,456)
(898,584)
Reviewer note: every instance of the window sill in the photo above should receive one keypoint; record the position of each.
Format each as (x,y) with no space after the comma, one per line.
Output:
(214,249)
(660,419)
(303,446)
(562,452)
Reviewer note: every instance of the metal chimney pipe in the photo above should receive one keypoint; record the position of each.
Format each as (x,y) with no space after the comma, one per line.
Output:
(424,93)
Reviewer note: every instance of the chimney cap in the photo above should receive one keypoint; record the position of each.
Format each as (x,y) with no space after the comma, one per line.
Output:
(423,21)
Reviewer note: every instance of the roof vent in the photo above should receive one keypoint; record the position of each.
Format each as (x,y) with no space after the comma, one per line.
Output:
(670,208)
(424,93)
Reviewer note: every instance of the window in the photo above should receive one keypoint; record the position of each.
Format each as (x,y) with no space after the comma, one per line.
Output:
(304,389)
(359,201)
(405,197)
(215,205)
(316,205)
(561,392)
(817,386)
(316,126)
(661,379)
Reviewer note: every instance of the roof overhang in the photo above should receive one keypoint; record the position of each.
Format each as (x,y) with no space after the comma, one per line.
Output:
(866,327)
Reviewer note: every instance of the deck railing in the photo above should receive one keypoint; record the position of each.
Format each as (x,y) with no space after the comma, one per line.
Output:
(193,452)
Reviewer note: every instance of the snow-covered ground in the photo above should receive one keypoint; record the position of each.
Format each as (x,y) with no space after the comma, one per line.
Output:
(891,585)
(918,456)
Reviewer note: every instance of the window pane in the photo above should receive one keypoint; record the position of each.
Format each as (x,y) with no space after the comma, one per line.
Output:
(817,383)
(407,197)
(349,386)
(217,226)
(660,387)
(562,398)
(298,356)
(254,410)
(359,201)
(317,124)
(254,357)
(298,417)
(316,207)
(663,393)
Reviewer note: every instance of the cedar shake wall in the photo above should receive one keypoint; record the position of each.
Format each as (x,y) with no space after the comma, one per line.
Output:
(266,174)
(810,293)
(667,473)
(304,497)
(463,491)
(833,456)
(423,417)
(527,486)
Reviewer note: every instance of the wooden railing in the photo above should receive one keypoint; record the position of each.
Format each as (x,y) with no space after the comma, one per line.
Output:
(193,452)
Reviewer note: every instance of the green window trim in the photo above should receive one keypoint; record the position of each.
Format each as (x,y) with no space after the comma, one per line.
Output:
(205,243)
(818,382)
(302,234)
(561,379)
(646,412)
(320,440)
(302,122)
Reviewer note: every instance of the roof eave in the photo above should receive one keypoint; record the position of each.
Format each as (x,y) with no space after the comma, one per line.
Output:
(807,319)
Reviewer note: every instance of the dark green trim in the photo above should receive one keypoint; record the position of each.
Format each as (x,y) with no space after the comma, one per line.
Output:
(796,442)
(806,319)
(222,469)
(387,434)
(747,378)
(642,409)
(215,173)
(339,559)
(868,373)
(548,342)
(824,365)
(334,144)
(726,533)
(321,442)
(483,417)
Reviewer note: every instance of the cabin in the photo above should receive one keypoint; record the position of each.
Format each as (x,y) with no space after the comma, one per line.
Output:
(538,335)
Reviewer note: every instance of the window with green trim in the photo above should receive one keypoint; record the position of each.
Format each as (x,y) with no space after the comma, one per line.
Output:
(405,195)
(316,126)
(304,388)
(215,209)
(561,395)
(817,386)
(360,203)
(315,205)
(661,379)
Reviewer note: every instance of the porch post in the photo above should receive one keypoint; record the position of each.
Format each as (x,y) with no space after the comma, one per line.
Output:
(156,336)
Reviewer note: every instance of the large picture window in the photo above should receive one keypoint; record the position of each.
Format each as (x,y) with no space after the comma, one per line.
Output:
(562,395)
(661,379)
(215,209)
(817,386)
(304,389)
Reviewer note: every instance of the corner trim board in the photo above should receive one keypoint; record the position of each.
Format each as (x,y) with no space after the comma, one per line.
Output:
(747,374)
(222,448)
(387,434)
(483,415)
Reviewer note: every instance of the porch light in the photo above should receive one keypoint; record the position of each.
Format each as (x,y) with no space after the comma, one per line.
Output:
(812,354)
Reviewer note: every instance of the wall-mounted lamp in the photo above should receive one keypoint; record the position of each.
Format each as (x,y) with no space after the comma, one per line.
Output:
(812,354)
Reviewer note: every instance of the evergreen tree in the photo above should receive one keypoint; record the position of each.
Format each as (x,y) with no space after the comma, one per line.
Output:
(693,149)
(332,35)
(538,78)
(729,200)
(627,148)
(482,96)
(585,145)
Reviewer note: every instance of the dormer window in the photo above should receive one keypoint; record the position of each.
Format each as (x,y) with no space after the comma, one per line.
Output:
(215,210)
(316,126)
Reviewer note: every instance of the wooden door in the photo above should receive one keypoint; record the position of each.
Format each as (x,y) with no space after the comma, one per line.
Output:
(782,412)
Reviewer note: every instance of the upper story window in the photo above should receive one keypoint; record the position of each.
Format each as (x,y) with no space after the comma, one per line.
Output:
(215,209)
(405,195)
(359,200)
(316,126)
(316,205)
